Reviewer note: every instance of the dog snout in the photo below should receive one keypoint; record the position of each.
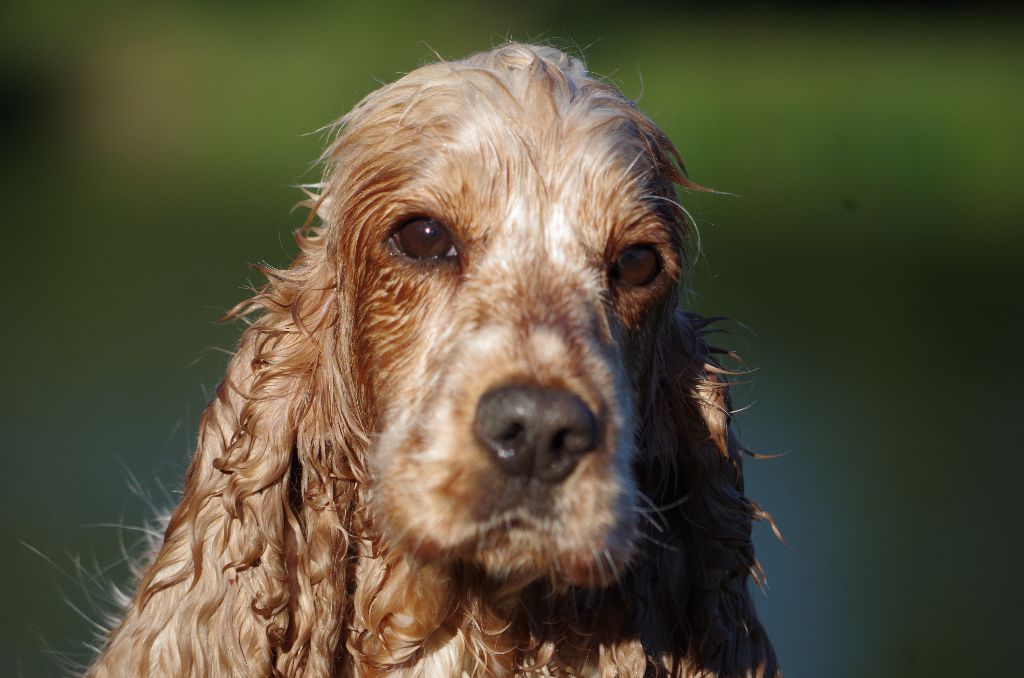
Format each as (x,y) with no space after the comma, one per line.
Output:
(535,432)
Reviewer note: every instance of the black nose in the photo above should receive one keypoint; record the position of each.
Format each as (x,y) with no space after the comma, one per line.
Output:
(535,432)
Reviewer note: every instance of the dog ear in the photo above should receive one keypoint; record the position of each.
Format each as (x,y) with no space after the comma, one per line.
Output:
(250,577)
(699,544)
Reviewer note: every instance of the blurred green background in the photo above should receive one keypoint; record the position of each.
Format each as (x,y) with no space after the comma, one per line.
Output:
(872,264)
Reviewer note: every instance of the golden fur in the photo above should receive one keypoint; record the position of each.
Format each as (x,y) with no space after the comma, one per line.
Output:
(338,517)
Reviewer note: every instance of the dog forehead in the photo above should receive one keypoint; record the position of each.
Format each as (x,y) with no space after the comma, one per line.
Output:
(553,230)
(539,183)
(531,160)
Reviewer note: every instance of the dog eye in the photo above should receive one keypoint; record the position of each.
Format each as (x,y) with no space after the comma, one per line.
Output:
(638,265)
(424,239)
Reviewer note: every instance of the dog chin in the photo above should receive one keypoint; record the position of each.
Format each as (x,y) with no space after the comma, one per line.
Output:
(529,557)
(522,554)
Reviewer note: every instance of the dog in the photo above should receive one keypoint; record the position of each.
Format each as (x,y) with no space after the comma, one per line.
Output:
(468,431)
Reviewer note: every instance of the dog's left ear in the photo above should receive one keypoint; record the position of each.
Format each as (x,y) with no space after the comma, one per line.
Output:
(250,578)
(699,542)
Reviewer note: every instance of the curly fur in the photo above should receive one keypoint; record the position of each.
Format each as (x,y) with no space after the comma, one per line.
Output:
(331,518)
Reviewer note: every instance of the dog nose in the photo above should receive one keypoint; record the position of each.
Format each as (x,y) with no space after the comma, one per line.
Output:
(535,432)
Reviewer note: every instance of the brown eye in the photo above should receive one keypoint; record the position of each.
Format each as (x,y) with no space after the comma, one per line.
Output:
(424,239)
(638,265)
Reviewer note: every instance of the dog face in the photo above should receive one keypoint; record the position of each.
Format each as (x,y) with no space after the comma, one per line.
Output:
(509,236)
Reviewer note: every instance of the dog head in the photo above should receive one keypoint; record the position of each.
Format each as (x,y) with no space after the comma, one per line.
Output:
(512,248)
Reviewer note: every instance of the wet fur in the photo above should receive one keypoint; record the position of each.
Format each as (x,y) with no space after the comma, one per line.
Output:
(338,519)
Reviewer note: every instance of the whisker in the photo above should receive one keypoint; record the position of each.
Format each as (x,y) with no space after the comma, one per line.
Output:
(663,544)
(647,500)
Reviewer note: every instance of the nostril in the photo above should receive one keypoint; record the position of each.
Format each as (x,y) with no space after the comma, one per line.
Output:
(575,440)
(510,434)
(573,433)
(558,442)
(507,447)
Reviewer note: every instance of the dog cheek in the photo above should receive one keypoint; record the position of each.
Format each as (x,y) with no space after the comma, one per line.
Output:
(400,328)
(424,491)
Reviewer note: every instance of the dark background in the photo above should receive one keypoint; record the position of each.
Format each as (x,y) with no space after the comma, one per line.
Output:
(872,262)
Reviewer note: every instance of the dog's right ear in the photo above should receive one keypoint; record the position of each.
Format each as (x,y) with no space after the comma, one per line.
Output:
(250,578)
(700,551)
